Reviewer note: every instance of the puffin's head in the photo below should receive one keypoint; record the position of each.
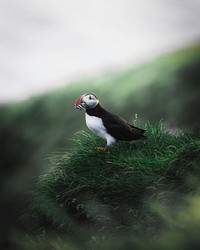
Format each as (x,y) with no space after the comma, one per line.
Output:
(86,101)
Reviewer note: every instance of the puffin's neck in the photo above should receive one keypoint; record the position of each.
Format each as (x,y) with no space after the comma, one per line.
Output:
(95,111)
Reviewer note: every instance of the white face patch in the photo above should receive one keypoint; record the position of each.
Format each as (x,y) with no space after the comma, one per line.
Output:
(95,124)
(90,100)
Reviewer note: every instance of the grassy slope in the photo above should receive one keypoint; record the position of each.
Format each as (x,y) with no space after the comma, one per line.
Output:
(129,194)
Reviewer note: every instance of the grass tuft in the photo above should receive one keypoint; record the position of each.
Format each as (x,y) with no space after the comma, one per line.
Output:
(128,189)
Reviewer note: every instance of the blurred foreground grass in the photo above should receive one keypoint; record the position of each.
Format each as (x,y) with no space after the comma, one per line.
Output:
(140,195)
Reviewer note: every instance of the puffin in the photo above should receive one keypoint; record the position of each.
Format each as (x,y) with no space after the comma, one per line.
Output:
(106,125)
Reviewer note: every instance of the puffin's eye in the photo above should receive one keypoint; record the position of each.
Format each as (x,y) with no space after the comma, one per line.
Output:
(90,98)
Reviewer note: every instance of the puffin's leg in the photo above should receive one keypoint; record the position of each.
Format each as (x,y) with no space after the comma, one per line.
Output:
(103,149)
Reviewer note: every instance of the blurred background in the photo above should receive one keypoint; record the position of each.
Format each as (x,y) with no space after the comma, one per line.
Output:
(44,44)
(138,57)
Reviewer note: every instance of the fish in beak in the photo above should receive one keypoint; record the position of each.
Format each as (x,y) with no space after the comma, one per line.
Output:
(80,104)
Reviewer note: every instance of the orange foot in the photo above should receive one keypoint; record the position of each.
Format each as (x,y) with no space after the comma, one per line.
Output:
(103,149)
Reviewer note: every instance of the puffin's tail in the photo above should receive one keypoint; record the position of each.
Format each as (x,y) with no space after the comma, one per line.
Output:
(144,137)
(138,133)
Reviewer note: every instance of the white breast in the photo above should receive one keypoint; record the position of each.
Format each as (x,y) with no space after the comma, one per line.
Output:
(95,124)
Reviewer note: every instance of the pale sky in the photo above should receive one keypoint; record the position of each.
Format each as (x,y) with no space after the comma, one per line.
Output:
(48,43)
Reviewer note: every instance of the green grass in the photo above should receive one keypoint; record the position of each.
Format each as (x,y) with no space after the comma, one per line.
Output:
(135,194)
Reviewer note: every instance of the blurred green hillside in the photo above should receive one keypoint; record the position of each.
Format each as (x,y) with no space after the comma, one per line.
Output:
(166,88)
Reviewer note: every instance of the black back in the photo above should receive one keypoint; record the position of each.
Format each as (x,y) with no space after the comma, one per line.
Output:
(116,126)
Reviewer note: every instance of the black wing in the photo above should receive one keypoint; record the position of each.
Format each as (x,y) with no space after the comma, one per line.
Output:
(120,129)
(142,130)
